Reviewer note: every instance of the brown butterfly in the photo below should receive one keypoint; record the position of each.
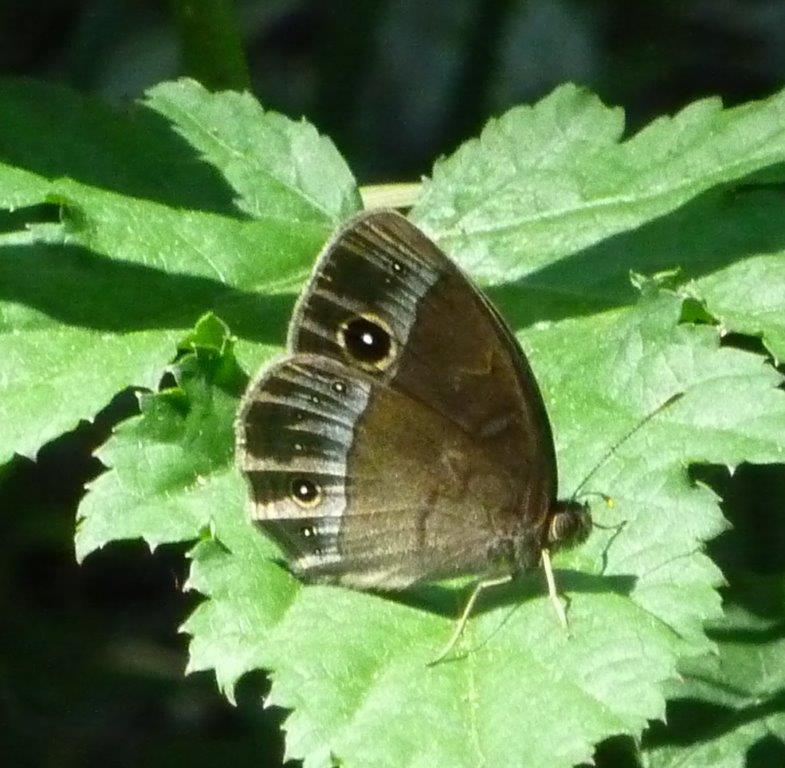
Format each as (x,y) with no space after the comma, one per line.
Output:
(404,438)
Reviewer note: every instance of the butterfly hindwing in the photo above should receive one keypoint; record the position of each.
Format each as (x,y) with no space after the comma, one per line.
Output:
(342,475)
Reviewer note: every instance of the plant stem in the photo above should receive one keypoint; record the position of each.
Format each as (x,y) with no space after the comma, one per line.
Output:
(210,41)
(390,195)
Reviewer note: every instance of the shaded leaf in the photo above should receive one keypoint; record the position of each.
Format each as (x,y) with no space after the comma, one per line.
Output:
(278,167)
(172,464)
(730,709)
(749,297)
(147,241)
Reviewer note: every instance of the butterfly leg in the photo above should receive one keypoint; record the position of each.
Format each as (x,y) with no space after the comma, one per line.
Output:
(461,624)
(552,593)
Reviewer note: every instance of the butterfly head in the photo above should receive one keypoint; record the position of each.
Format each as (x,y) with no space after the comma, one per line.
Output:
(569,524)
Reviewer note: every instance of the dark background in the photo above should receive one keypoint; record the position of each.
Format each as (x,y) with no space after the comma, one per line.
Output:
(90,661)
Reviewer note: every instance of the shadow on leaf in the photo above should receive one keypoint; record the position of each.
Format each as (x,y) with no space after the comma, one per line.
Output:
(449,601)
(133,152)
(691,721)
(77,287)
(716,229)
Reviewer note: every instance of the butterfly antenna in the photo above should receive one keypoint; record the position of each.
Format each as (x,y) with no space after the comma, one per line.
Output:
(615,447)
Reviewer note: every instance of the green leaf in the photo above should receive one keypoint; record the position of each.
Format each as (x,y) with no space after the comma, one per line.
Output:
(52,375)
(547,182)
(344,660)
(353,666)
(730,708)
(147,240)
(636,361)
(748,297)
(278,167)
(174,457)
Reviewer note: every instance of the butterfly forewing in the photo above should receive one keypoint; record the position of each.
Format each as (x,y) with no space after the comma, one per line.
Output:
(368,269)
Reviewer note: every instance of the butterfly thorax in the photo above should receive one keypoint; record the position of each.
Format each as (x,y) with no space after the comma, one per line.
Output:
(562,524)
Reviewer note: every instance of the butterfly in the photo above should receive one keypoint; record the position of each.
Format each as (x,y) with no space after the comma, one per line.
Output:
(404,437)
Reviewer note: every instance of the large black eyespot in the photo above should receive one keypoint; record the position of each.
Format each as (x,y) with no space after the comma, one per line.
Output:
(367,340)
(305,492)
